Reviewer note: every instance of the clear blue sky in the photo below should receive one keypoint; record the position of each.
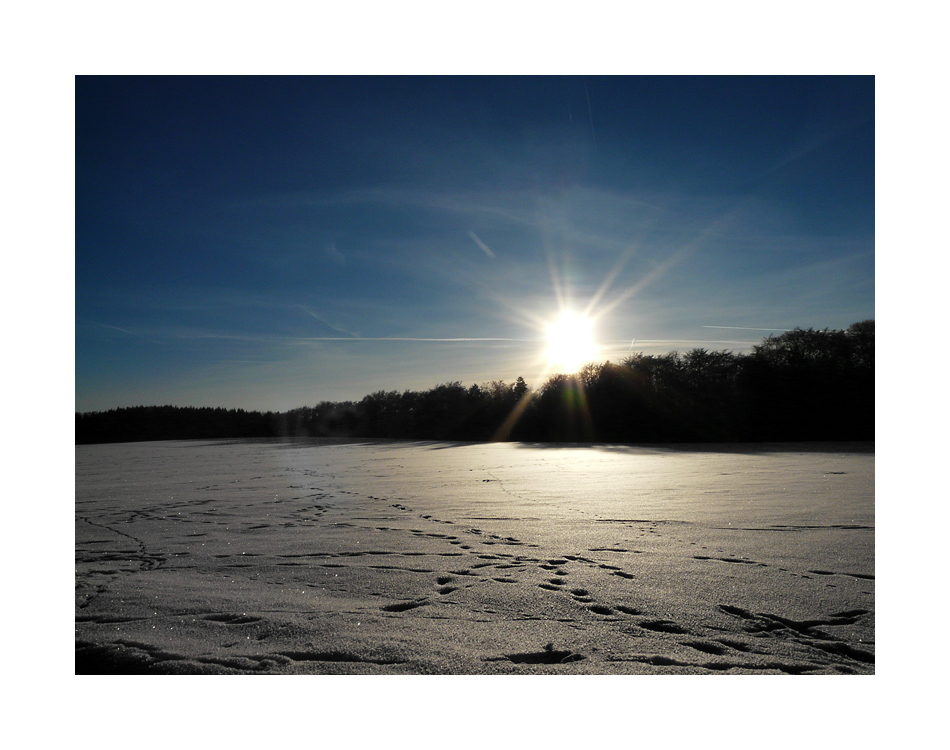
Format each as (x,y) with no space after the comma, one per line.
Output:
(269,243)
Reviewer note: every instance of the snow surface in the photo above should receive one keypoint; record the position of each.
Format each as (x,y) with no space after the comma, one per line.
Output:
(381,557)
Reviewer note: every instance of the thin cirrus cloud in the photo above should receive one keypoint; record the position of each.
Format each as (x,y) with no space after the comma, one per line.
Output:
(565,228)
(630,255)
(431,229)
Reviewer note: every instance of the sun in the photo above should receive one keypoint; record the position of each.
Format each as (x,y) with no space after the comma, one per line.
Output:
(571,342)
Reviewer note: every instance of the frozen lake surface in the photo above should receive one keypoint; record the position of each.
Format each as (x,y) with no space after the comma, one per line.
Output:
(415,558)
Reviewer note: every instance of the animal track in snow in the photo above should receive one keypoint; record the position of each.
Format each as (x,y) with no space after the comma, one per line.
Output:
(232,619)
(549,655)
(663,626)
(403,606)
(807,632)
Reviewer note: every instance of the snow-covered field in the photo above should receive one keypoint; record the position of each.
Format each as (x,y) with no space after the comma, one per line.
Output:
(416,558)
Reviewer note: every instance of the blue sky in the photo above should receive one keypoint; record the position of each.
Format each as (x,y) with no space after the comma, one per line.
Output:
(268,243)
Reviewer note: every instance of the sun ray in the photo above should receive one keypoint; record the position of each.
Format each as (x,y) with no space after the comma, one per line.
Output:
(503,432)
(608,281)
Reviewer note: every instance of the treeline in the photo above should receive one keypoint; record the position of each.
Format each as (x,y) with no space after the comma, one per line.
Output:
(803,385)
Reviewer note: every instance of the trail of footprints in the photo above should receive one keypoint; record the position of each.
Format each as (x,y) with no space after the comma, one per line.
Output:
(557,580)
(555,568)
(558,576)
(746,561)
(506,565)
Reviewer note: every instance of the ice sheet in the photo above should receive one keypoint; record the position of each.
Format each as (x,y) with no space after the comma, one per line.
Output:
(415,558)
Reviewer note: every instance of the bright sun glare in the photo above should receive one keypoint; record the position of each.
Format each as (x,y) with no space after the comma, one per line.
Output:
(571,342)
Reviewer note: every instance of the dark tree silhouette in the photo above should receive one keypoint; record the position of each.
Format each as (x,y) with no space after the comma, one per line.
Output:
(804,384)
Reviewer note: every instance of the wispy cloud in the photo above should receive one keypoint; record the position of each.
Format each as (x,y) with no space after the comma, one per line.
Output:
(333,254)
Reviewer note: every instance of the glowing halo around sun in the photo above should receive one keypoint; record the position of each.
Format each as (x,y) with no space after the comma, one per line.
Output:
(571,342)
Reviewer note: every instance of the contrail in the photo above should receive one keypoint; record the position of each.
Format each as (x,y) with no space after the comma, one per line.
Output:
(590,114)
(116,328)
(122,330)
(325,322)
(408,338)
(743,328)
(487,250)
